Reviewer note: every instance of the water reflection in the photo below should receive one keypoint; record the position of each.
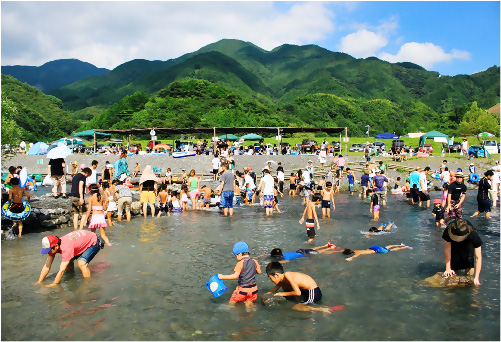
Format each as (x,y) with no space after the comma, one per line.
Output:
(154,278)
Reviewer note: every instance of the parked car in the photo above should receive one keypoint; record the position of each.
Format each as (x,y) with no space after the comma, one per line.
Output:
(308,146)
(134,147)
(397,144)
(337,145)
(380,145)
(110,145)
(455,147)
(491,146)
(357,148)
(477,152)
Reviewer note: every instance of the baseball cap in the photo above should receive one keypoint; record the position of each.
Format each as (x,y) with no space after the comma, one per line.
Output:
(437,200)
(48,242)
(240,247)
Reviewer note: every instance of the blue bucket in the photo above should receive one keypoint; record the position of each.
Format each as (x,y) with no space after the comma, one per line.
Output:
(216,286)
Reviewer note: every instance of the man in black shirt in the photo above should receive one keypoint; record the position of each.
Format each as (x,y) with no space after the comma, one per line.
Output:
(77,197)
(484,202)
(455,197)
(462,244)
(56,171)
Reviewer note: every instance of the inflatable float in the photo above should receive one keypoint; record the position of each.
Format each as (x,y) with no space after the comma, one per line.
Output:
(435,175)
(474,178)
(9,215)
(184,154)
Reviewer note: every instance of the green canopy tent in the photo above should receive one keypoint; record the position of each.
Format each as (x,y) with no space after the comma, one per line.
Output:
(228,136)
(251,136)
(432,134)
(92,134)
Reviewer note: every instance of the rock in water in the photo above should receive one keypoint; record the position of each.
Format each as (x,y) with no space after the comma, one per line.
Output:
(269,299)
(438,280)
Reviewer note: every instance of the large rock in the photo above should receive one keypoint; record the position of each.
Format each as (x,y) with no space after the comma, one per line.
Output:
(438,280)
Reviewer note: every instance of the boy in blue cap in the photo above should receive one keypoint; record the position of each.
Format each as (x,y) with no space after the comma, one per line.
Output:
(245,271)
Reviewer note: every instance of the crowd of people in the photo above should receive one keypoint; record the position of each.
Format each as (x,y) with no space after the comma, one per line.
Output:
(108,191)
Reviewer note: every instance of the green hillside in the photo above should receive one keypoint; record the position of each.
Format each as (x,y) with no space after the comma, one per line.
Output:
(286,73)
(39,116)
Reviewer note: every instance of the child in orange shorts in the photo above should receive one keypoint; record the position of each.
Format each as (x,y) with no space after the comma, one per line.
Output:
(245,271)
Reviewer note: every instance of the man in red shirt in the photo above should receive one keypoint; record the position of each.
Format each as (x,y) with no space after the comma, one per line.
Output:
(81,244)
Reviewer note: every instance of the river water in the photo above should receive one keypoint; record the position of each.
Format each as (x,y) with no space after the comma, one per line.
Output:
(150,285)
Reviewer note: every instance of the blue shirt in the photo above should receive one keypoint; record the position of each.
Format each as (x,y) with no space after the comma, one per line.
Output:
(379,182)
(351,179)
(414,178)
(364,181)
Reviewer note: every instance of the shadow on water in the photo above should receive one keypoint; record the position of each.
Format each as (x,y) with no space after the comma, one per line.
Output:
(150,285)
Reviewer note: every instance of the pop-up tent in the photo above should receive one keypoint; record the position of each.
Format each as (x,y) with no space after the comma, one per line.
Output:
(228,136)
(92,134)
(432,134)
(39,148)
(386,135)
(251,136)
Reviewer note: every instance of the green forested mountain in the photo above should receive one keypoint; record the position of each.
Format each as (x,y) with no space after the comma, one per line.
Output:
(38,116)
(286,73)
(54,74)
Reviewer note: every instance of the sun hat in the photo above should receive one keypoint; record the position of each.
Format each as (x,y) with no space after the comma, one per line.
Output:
(122,177)
(48,242)
(147,175)
(472,164)
(437,200)
(459,230)
(240,247)
(459,174)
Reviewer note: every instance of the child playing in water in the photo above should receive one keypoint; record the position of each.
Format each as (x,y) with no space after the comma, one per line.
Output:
(111,205)
(97,204)
(207,195)
(184,177)
(276,193)
(327,197)
(374,204)
(163,198)
(292,185)
(381,227)
(445,192)
(338,182)
(374,249)
(321,184)
(184,197)
(245,271)
(16,205)
(249,194)
(438,212)
(311,217)
(295,284)
(351,181)
(174,201)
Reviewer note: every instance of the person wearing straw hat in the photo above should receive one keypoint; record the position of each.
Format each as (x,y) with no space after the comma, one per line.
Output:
(455,198)
(147,190)
(462,249)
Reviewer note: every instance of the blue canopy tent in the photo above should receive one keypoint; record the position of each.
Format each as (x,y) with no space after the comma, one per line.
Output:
(92,134)
(386,135)
(39,148)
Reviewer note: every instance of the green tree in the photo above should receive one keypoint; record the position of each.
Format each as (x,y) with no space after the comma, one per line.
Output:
(477,120)
(11,132)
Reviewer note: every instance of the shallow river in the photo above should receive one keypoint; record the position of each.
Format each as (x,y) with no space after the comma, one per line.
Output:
(150,285)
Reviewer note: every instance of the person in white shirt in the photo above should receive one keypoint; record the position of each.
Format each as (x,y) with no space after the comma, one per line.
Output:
(465,148)
(215,164)
(281,178)
(92,179)
(423,187)
(266,189)
(496,182)
(445,176)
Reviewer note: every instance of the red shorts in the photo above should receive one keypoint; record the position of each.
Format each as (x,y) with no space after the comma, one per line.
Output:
(248,294)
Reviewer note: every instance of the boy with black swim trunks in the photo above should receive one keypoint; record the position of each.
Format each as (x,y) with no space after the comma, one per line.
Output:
(295,284)
(311,217)
(16,201)
(327,197)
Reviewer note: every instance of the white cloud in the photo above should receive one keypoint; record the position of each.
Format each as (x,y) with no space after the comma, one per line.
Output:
(368,40)
(424,54)
(362,44)
(107,34)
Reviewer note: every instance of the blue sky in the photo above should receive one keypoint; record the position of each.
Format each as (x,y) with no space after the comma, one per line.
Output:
(449,37)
